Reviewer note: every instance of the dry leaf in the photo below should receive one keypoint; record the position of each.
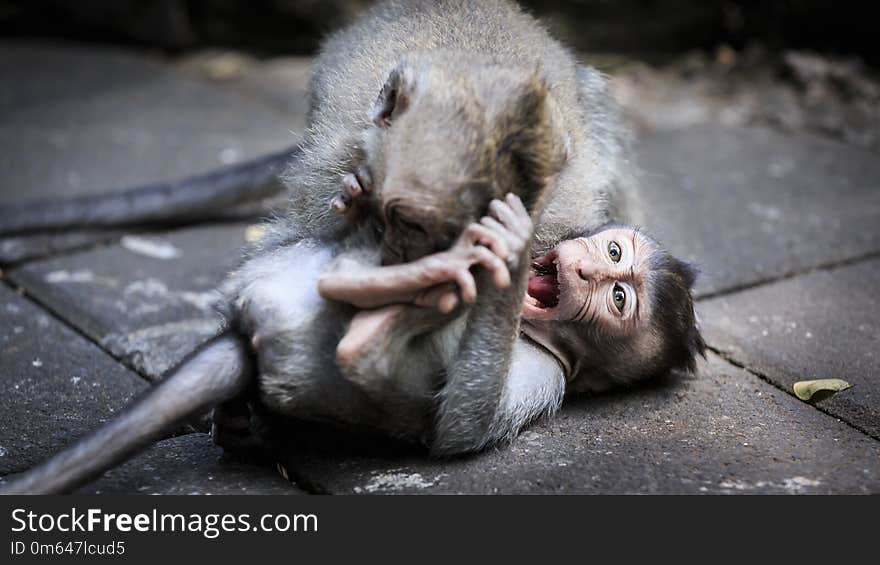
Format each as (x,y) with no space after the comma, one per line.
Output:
(819,389)
(254,233)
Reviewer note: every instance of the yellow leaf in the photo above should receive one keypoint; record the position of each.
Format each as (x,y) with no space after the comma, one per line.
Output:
(254,233)
(819,389)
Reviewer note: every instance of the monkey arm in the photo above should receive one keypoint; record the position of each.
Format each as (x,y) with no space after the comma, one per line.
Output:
(534,387)
(366,286)
(471,413)
(358,282)
(476,378)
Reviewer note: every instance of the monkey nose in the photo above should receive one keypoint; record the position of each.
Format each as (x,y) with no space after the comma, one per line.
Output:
(590,271)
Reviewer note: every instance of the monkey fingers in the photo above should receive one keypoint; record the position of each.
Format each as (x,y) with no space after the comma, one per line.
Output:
(352,186)
(511,222)
(524,224)
(477,255)
(480,234)
(443,297)
(341,204)
(513,242)
(509,212)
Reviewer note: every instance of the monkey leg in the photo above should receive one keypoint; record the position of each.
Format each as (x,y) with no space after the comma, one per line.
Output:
(389,353)
(368,329)
(233,427)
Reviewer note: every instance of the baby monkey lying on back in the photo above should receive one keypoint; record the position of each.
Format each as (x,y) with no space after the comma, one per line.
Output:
(480,102)
(607,308)
(599,309)
(611,307)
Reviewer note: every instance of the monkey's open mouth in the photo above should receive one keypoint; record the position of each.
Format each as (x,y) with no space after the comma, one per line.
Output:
(544,282)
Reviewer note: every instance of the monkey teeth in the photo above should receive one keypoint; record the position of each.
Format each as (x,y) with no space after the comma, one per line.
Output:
(543,289)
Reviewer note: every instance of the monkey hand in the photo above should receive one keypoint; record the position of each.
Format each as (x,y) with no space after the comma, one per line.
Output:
(440,280)
(354,186)
(512,224)
(430,281)
(497,242)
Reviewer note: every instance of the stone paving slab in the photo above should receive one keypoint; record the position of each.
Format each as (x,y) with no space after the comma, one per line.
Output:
(78,120)
(279,81)
(190,464)
(148,299)
(55,385)
(822,325)
(16,249)
(724,432)
(750,204)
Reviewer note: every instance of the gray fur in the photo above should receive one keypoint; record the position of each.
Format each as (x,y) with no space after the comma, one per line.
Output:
(589,192)
(475,386)
(355,63)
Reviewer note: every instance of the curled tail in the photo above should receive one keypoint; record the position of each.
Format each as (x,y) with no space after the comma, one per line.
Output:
(217,371)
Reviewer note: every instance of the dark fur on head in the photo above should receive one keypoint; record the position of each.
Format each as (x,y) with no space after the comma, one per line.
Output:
(531,143)
(672,304)
(673,341)
(454,135)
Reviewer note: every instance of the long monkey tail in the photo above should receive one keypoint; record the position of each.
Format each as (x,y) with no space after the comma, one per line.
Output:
(198,197)
(217,371)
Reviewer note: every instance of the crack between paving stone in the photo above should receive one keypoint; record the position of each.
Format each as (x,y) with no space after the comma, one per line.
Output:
(829,266)
(736,363)
(184,428)
(21,291)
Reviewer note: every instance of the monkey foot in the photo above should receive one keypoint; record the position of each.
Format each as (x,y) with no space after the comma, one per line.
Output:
(232,429)
(354,186)
(367,330)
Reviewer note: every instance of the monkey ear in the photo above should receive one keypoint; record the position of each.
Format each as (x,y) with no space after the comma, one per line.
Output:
(534,138)
(394,97)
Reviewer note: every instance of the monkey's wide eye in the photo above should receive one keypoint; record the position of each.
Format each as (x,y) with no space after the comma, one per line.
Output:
(614,251)
(619,296)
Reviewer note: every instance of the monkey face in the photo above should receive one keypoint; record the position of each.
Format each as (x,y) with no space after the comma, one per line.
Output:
(613,307)
(411,232)
(599,280)
(587,302)
(453,138)
(434,175)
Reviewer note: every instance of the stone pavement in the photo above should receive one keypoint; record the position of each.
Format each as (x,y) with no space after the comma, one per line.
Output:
(786,228)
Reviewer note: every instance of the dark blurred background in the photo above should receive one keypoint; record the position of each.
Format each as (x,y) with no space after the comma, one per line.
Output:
(647,28)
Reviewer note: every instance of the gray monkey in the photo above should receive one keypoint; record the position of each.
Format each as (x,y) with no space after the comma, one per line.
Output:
(446,72)
(520,95)
(428,148)
(518,87)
